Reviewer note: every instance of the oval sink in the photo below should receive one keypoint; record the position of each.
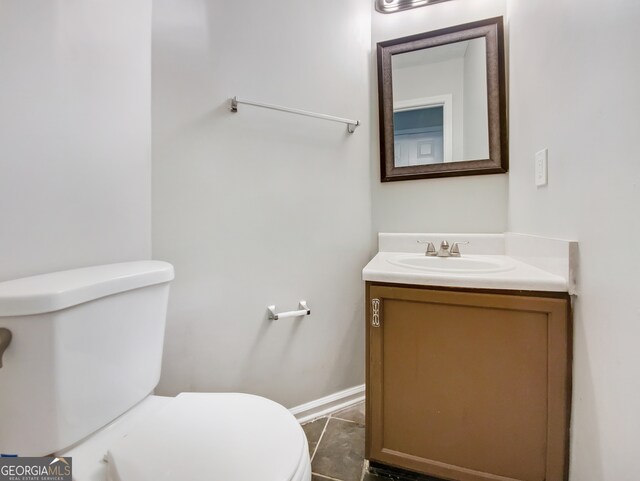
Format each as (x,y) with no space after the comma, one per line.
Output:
(454,265)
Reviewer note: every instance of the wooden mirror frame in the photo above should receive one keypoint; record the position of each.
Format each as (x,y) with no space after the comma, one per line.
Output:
(498,162)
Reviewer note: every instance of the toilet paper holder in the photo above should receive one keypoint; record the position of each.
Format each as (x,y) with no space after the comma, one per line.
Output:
(302,311)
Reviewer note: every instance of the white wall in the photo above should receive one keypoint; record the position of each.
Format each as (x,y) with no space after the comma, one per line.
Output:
(74,134)
(575,72)
(433,205)
(262,207)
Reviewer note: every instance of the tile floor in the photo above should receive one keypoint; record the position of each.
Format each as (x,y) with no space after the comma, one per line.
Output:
(336,447)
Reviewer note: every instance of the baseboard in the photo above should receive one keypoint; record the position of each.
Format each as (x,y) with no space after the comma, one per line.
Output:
(328,404)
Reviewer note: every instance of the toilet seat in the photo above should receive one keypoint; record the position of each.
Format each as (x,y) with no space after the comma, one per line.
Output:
(218,436)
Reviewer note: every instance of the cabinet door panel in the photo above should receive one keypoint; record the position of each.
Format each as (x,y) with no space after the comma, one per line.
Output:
(460,384)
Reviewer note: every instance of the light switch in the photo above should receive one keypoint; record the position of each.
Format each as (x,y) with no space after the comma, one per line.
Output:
(541,167)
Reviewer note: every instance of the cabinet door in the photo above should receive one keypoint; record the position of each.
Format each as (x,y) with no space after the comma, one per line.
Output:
(468,386)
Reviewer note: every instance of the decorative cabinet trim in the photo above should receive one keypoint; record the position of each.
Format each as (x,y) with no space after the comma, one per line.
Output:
(375,312)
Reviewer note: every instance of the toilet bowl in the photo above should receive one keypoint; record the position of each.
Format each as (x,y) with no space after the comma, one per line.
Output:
(196,436)
(84,357)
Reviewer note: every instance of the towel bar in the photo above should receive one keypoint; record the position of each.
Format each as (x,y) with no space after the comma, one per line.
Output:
(303,311)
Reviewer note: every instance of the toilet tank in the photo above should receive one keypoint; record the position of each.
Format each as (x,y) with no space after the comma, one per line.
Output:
(86,346)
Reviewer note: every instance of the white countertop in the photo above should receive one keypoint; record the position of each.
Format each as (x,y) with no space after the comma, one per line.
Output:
(553,270)
(521,277)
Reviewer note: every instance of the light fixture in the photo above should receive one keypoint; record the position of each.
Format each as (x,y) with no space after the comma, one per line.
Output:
(391,6)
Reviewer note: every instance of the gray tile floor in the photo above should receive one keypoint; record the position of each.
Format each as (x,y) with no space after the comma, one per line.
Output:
(336,446)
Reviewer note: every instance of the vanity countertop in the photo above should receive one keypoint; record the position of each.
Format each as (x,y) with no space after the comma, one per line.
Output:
(524,262)
(521,276)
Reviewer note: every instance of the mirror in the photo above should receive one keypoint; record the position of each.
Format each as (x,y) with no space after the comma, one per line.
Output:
(442,103)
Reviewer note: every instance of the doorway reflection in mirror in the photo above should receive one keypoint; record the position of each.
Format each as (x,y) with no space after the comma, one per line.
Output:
(440,104)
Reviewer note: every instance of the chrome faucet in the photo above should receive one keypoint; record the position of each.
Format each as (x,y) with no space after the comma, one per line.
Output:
(444,251)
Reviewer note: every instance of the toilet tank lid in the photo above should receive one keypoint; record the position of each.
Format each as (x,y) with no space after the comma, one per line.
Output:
(59,290)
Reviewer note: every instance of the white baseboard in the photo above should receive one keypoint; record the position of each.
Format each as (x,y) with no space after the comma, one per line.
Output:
(328,404)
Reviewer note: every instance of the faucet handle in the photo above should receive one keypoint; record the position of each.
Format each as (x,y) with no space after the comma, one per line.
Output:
(455,250)
(431,249)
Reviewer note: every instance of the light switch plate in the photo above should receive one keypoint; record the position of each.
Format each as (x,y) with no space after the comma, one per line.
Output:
(541,167)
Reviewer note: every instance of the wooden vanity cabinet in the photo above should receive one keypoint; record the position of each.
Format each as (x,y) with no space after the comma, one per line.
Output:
(468,385)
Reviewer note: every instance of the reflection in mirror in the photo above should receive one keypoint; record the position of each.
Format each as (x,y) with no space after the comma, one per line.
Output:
(443,103)
(440,104)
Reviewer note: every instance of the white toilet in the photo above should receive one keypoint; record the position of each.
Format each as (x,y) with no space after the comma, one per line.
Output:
(77,378)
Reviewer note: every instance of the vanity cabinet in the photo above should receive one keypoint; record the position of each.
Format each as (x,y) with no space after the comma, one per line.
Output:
(468,385)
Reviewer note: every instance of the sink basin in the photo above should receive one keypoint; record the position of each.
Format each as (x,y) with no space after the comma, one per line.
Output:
(453,265)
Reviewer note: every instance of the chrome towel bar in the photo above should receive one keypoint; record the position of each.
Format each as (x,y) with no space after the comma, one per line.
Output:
(304,311)
(351,124)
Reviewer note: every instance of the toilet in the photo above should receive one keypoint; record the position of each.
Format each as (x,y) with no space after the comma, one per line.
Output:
(77,380)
